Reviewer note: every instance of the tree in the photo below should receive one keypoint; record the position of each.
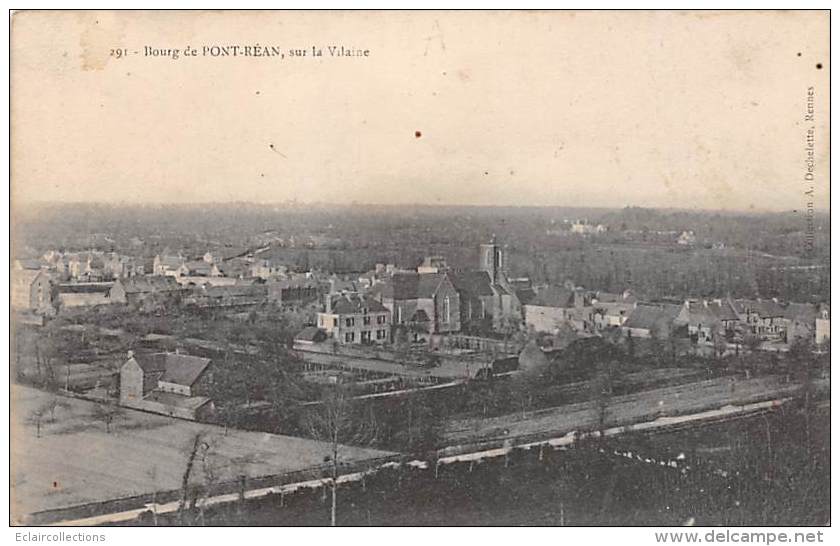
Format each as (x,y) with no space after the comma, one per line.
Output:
(602,392)
(671,347)
(107,412)
(41,413)
(509,325)
(720,344)
(241,380)
(196,451)
(333,422)
(423,425)
(152,473)
(631,346)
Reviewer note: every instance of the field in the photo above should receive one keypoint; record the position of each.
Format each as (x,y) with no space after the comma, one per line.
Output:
(621,410)
(76,461)
(719,480)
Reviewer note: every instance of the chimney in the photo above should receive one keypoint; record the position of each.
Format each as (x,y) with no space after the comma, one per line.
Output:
(130,354)
(328,303)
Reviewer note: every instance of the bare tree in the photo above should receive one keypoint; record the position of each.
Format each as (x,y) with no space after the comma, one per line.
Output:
(602,390)
(107,412)
(333,422)
(36,418)
(152,474)
(196,450)
(46,412)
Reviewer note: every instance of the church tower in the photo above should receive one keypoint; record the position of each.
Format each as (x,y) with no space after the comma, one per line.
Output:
(491,259)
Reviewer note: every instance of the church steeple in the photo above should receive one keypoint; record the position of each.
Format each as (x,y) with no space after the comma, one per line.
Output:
(491,259)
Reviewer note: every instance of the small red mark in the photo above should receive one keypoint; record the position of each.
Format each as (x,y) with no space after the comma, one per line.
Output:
(417,134)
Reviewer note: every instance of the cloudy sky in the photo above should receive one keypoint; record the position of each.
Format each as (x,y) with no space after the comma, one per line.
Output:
(572,109)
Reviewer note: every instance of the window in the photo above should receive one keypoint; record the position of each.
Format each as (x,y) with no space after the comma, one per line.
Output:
(350,337)
(349,321)
(366,321)
(380,319)
(446,309)
(399,315)
(380,334)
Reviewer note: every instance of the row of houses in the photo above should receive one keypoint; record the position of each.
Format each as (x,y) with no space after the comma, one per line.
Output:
(435,299)
(37,291)
(92,265)
(214,266)
(704,321)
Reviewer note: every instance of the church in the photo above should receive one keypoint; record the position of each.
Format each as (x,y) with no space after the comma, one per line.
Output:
(488,299)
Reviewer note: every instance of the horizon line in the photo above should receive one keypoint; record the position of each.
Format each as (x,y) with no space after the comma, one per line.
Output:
(295,203)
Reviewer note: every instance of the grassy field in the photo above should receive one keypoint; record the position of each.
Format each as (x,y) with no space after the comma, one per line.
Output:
(76,461)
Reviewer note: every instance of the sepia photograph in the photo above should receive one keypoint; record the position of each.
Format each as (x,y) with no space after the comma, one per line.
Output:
(466,268)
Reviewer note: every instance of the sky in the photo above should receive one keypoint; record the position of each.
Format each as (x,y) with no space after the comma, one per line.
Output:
(669,109)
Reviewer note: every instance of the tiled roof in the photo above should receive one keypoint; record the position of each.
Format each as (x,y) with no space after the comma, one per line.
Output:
(352,304)
(200,267)
(172,262)
(723,310)
(474,283)
(183,369)
(409,286)
(30,263)
(554,296)
(698,313)
(648,316)
(764,308)
(152,363)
